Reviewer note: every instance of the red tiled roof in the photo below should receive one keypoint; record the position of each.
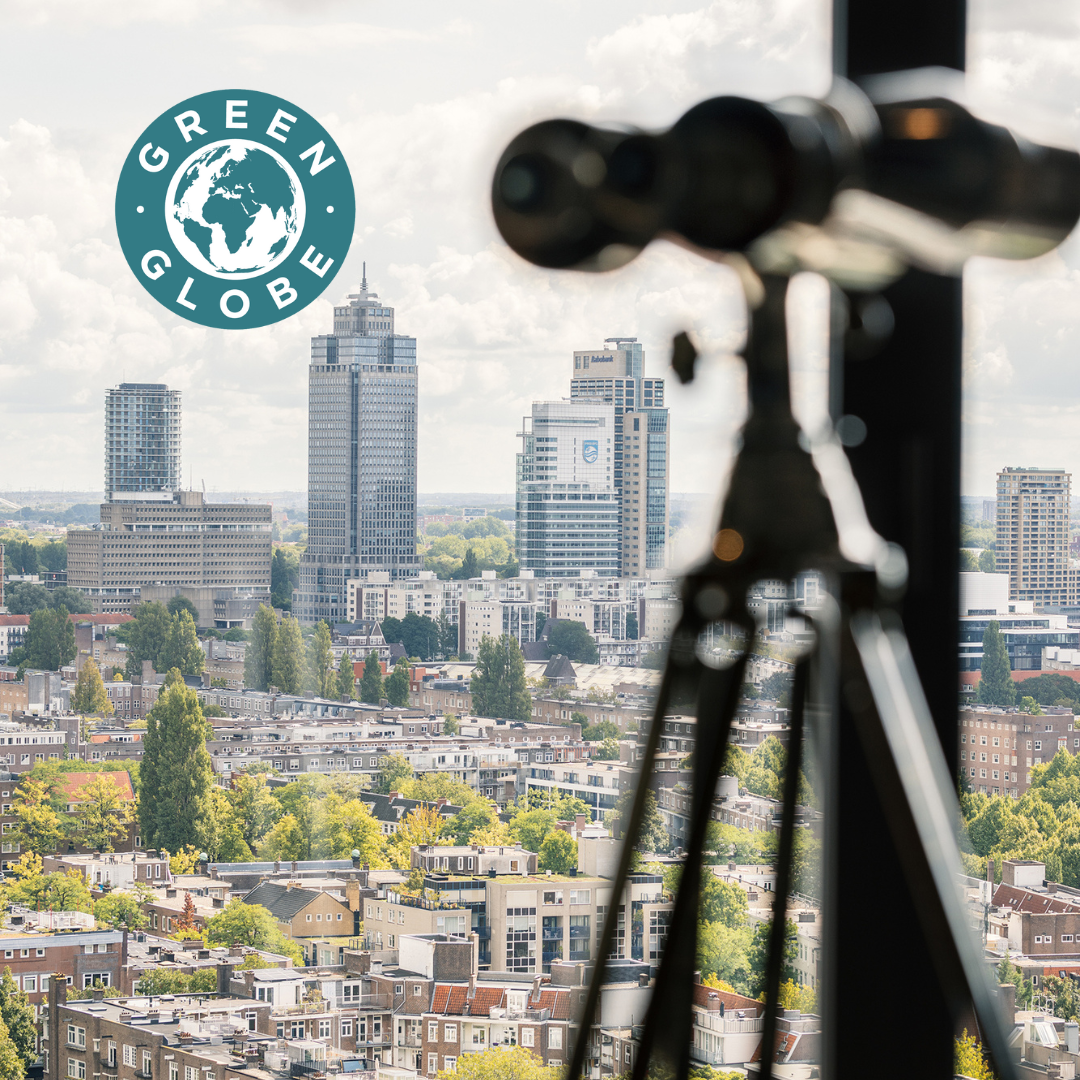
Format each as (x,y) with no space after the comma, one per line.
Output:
(14,620)
(74,781)
(452,999)
(1032,902)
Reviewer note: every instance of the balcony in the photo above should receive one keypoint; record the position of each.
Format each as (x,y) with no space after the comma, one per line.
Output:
(578,932)
(554,933)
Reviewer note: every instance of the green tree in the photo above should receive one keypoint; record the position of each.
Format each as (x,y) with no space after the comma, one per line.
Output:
(558,853)
(351,826)
(498,681)
(531,827)
(287,659)
(284,576)
(448,636)
(968,563)
(119,908)
(996,686)
(1031,706)
(24,598)
(721,902)
(146,637)
(397,685)
(503,1063)
(11,1064)
(176,773)
(259,654)
(50,639)
(969,1060)
(39,826)
(90,695)
(723,953)
(18,1017)
(157,981)
(988,561)
(572,640)
(394,772)
(321,675)
(62,891)
(76,602)
(346,679)
(253,807)
(605,729)
(451,725)
(182,603)
(608,750)
(470,568)
(653,836)
(479,814)
(371,682)
(631,627)
(252,925)
(183,651)
(758,954)
(284,841)
(103,813)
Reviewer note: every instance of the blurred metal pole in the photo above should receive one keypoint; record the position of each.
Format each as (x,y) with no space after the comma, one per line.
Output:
(887,1015)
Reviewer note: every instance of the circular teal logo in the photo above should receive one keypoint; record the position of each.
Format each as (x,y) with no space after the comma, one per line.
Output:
(235,209)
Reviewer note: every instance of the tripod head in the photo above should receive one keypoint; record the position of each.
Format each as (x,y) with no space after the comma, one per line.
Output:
(732,174)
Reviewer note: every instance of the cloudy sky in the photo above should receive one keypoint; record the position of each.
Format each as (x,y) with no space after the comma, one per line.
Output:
(422,96)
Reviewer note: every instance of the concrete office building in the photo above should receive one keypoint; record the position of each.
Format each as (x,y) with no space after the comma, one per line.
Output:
(1033,535)
(641,469)
(154,536)
(362,386)
(142,442)
(212,552)
(567,503)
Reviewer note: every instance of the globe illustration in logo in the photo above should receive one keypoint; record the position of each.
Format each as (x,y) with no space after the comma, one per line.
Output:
(235,208)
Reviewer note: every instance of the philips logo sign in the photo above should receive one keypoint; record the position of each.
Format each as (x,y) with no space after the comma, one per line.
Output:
(590,450)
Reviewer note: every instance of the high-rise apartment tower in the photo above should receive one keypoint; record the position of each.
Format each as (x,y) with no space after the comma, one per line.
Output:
(1033,535)
(361,457)
(615,374)
(142,442)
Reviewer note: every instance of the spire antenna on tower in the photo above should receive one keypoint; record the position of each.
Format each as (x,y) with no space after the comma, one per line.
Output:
(363,283)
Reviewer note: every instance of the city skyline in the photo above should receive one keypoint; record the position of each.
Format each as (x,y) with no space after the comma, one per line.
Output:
(422,130)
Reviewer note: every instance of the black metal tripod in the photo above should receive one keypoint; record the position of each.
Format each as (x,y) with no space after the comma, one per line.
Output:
(778,520)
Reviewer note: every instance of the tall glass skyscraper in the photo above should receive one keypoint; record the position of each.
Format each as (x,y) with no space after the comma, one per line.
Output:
(361,457)
(615,375)
(142,442)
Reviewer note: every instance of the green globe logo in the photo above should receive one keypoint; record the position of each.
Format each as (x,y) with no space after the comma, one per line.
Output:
(235,209)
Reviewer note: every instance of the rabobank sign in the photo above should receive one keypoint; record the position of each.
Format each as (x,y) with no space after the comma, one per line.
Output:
(235,209)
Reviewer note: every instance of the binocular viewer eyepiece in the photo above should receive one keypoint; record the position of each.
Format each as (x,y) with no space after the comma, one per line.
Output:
(731,170)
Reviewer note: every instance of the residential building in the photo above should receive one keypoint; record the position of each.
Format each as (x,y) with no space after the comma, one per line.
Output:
(362,385)
(36,951)
(567,501)
(1033,535)
(615,374)
(217,551)
(142,443)
(322,923)
(12,630)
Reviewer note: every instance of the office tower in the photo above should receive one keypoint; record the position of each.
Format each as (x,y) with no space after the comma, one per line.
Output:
(1033,535)
(615,374)
(361,457)
(567,506)
(142,442)
(156,541)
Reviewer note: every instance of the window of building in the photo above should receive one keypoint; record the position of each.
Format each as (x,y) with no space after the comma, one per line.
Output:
(449,1033)
(555,1038)
(76,1068)
(129,1055)
(432,1064)
(527,1036)
(76,1036)
(433,1032)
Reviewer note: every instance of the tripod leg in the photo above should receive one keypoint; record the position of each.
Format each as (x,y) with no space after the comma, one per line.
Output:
(910,772)
(633,827)
(785,851)
(669,1021)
